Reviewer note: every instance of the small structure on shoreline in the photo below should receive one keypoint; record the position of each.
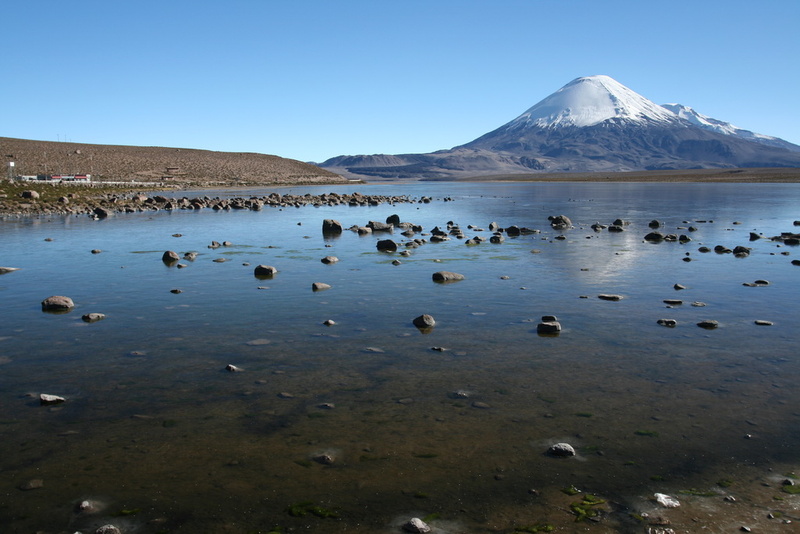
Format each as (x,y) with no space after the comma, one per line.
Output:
(56,178)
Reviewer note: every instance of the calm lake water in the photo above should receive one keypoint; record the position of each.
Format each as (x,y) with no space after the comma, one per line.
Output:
(362,425)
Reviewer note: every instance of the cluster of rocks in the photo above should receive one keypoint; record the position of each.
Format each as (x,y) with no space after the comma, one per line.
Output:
(102,206)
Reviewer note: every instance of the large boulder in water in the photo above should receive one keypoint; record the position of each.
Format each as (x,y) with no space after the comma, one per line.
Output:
(654,237)
(170,257)
(424,321)
(378,226)
(265,271)
(331,226)
(387,245)
(447,276)
(560,222)
(57,303)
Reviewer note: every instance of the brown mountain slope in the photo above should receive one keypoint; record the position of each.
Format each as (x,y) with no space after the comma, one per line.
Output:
(157,164)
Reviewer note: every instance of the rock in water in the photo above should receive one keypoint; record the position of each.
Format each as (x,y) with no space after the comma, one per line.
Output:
(170,257)
(265,271)
(560,222)
(417,525)
(561,450)
(447,276)
(320,286)
(93,317)
(386,245)
(654,237)
(4,270)
(331,226)
(44,398)
(549,327)
(424,321)
(666,501)
(57,303)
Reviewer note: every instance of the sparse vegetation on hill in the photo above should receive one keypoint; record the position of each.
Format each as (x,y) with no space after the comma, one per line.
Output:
(179,166)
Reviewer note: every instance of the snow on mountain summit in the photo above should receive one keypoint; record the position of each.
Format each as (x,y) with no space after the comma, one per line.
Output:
(591,100)
(707,123)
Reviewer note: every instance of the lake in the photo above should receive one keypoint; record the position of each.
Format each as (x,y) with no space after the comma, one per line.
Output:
(364,424)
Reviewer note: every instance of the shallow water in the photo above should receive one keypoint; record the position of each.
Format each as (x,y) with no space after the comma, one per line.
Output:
(165,440)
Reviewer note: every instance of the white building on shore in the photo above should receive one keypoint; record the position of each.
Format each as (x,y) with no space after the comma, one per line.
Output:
(57,178)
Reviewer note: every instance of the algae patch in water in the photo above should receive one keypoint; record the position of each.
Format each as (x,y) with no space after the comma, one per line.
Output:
(586,508)
(791,489)
(571,491)
(304,508)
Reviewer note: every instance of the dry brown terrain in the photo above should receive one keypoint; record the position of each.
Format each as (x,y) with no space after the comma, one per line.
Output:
(180,166)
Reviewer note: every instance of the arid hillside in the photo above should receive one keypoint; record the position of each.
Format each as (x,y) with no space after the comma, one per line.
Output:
(157,164)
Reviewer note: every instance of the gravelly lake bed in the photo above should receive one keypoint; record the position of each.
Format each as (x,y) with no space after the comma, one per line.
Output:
(207,399)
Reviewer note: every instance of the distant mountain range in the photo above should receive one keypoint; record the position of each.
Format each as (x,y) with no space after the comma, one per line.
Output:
(591,124)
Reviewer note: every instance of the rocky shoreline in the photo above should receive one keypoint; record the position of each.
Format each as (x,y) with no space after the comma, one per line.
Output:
(103,205)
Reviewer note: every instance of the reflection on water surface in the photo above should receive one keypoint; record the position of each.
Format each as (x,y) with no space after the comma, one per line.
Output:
(364,424)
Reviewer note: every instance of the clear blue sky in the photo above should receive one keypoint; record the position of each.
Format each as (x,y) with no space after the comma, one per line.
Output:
(313,79)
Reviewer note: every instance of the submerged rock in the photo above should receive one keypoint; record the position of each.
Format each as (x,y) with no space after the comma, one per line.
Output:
(93,317)
(36,483)
(561,450)
(324,459)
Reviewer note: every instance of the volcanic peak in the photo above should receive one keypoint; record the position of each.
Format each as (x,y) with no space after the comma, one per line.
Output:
(590,100)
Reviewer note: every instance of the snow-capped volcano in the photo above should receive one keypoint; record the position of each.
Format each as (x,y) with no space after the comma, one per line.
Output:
(591,100)
(591,124)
